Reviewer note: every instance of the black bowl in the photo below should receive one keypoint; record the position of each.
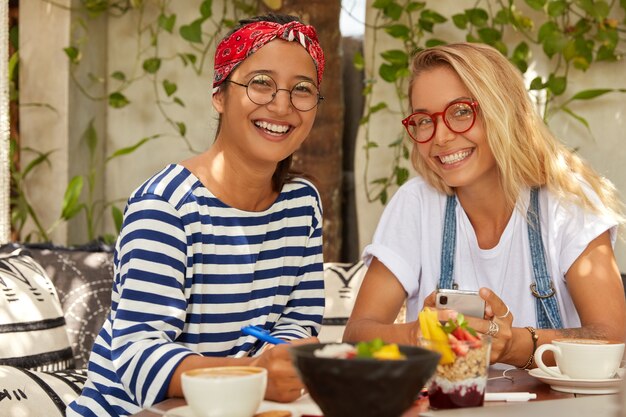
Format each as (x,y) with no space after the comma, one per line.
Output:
(364,387)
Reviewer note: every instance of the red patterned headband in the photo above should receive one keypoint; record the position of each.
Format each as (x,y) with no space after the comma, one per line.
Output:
(234,49)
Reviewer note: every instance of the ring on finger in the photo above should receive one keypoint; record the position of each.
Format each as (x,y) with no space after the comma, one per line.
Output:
(505,315)
(493,328)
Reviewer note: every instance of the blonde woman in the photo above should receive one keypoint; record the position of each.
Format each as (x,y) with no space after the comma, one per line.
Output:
(500,206)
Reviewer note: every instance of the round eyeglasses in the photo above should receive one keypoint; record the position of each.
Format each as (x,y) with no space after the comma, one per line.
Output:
(458,116)
(262,89)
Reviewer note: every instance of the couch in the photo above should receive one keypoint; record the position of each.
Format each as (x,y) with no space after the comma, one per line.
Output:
(55,301)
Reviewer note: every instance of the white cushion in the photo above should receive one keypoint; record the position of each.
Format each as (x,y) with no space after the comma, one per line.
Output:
(28,393)
(342,282)
(33,332)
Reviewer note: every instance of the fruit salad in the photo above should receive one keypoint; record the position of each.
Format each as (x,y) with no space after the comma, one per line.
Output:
(461,375)
(375,349)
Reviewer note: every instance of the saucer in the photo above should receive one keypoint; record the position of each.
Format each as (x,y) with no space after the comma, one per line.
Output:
(302,406)
(580,386)
(183,411)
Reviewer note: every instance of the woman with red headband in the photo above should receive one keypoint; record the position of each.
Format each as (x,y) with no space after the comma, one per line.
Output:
(226,239)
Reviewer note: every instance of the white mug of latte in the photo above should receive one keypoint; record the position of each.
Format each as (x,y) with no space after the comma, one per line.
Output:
(582,358)
(225,391)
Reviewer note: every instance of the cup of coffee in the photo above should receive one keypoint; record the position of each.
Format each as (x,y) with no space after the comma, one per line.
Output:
(225,391)
(582,358)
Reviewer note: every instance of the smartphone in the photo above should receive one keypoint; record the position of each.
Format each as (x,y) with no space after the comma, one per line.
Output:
(468,303)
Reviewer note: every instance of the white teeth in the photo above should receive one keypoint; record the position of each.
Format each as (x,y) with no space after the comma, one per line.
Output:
(272,127)
(455,157)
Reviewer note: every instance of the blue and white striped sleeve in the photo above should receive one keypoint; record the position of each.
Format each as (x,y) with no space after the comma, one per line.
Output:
(151,308)
(304,311)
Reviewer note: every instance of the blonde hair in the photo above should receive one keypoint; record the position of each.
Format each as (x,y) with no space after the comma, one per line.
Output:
(527,154)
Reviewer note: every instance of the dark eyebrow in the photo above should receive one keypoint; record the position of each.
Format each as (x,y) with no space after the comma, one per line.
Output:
(273,74)
(456,100)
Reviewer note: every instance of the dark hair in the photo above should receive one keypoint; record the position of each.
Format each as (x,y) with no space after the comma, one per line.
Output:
(270,17)
(284,172)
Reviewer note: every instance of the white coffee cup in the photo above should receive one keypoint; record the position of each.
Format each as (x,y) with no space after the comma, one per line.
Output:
(225,391)
(582,358)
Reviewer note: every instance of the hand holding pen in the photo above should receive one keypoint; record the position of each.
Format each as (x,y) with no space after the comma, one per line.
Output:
(261,334)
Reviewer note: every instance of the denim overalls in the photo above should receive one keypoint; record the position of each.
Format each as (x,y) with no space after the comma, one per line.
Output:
(546,305)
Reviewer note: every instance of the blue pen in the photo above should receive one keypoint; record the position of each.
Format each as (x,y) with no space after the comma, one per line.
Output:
(261,334)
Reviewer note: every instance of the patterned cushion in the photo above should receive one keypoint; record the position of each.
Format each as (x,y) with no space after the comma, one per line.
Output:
(32,327)
(83,278)
(342,282)
(25,393)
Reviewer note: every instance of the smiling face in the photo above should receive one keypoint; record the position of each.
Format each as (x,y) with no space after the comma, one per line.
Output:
(270,132)
(460,159)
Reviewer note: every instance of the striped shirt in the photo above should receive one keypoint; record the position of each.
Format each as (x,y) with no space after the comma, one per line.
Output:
(190,271)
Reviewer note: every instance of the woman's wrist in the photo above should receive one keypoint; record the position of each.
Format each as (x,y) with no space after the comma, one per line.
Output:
(534,338)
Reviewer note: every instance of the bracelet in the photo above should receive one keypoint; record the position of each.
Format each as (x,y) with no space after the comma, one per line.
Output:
(531,359)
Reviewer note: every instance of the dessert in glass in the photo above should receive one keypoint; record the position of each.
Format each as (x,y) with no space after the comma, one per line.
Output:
(461,376)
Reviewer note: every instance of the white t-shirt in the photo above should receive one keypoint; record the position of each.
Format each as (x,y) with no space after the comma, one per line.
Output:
(409,235)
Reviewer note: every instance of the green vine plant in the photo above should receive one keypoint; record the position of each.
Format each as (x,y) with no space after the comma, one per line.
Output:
(200,35)
(573,35)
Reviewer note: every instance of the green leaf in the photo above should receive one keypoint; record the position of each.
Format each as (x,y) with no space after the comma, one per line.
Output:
(521,51)
(381,4)
(581,63)
(71,205)
(537,84)
(606,54)
(414,6)
(118,100)
(590,94)
(119,75)
(597,9)
(426,25)
(179,102)
(460,20)
(578,118)
(90,137)
(477,17)
(395,57)
(536,4)
(557,84)
(434,42)
(503,17)
(169,87)
(393,11)
(554,43)
(402,175)
(73,54)
(547,30)
(388,72)
(398,31)
(109,239)
(167,22)
(182,128)
(358,61)
(41,158)
(152,65)
(432,16)
(378,107)
(205,9)
(118,218)
(557,8)
(188,58)
(192,32)
(132,148)
(383,197)
(489,35)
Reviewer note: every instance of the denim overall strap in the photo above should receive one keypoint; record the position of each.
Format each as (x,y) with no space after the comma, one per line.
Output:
(546,304)
(448,245)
